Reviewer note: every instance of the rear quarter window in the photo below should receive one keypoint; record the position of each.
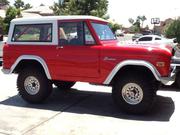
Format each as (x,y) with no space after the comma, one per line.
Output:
(32,33)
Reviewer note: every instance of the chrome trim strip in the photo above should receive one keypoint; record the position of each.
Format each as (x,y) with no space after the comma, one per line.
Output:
(30,57)
(132,62)
(175,65)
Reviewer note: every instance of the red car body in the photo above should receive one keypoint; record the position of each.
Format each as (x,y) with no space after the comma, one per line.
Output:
(91,63)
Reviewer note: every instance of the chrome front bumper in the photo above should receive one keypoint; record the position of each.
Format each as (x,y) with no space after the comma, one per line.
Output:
(6,71)
(169,80)
(175,65)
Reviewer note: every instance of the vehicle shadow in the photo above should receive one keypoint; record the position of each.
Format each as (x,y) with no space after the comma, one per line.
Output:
(95,103)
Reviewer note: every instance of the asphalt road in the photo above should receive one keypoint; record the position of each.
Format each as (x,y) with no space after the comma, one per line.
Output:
(84,110)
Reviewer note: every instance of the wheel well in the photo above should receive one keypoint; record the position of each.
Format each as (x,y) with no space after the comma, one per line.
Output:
(141,70)
(26,64)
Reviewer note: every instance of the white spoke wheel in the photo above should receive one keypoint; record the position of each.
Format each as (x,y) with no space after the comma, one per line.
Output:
(33,85)
(134,93)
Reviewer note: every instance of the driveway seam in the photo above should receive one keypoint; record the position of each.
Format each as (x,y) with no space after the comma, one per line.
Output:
(63,110)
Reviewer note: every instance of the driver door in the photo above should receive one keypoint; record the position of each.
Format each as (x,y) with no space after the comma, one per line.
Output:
(78,54)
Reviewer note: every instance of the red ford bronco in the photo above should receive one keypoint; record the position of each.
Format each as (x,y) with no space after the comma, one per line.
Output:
(62,50)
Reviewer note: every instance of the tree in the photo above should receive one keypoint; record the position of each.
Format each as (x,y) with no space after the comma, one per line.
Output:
(19,4)
(11,13)
(135,24)
(81,7)
(2,25)
(4,2)
(138,24)
(115,26)
(141,19)
(27,6)
(173,30)
(60,8)
(131,21)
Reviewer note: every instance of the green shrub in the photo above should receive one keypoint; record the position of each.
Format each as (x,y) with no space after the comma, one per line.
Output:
(173,30)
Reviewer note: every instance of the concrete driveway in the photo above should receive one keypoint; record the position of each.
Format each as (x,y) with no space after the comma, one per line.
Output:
(83,110)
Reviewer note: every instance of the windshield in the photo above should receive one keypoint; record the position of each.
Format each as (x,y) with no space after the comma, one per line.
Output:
(103,31)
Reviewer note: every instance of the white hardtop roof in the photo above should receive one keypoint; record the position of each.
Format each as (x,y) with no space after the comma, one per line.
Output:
(54,18)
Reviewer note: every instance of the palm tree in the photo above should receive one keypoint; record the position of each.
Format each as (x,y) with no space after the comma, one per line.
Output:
(4,2)
(131,21)
(143,18)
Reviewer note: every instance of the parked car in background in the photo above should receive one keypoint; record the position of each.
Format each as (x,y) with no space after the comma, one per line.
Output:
(1,34)
(1,49)
(1,44)
(119,33)
(148,39)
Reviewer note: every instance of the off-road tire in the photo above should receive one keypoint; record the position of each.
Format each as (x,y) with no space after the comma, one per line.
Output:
(64,85)
(45,86)
(147,87)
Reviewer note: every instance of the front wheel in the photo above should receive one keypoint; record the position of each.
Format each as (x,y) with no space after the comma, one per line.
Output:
(133,94)
(33,85)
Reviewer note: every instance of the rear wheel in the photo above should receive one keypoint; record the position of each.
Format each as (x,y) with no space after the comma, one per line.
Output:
(64,84)
(133,93)
(33,85)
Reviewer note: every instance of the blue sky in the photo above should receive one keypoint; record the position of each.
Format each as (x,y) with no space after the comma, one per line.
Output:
(121,10)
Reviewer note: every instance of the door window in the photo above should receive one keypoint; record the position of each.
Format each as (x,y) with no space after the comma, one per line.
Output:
(157,38)
(89,40)
(145,39)
(103,31)
(75,33)
(71,33)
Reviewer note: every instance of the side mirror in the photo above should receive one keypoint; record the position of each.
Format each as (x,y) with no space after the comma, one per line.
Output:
(175,40)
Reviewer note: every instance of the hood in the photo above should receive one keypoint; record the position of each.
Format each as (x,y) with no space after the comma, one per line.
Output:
(158,48)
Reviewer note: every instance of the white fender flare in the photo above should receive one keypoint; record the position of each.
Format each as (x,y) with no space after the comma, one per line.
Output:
(29,57)
(132,63)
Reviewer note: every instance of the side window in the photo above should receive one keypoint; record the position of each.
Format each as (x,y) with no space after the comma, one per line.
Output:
(89,40)
(145,39)
(32,33)
(157,38)
(71,33)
